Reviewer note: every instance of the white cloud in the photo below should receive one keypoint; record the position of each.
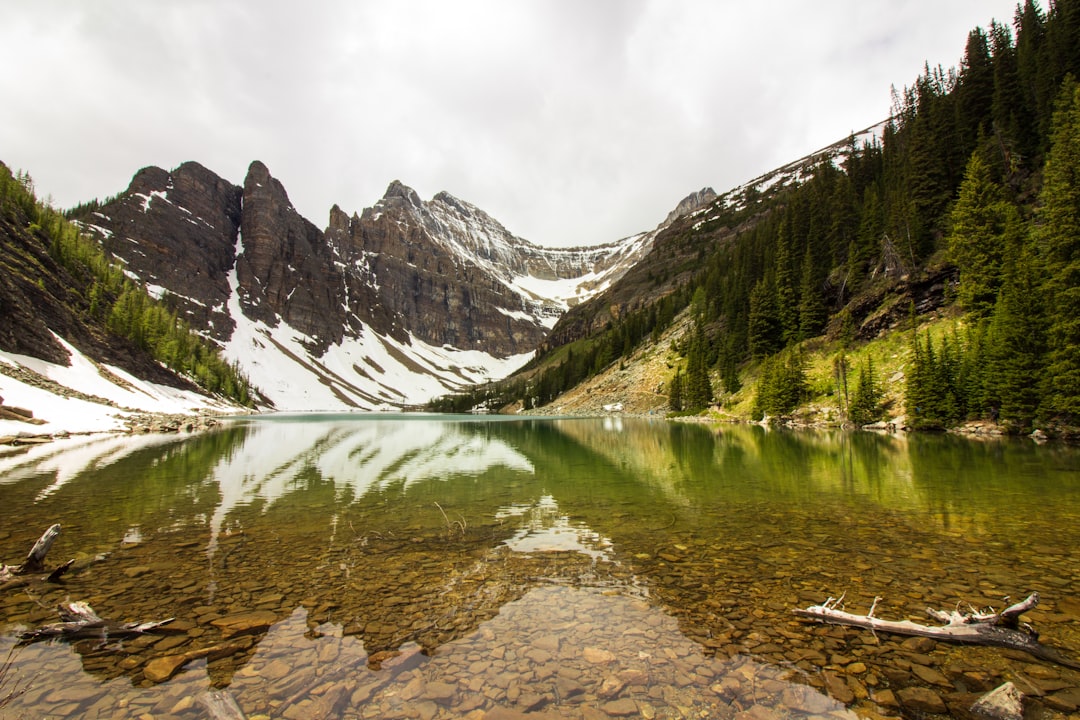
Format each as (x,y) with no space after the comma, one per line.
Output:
(571,122)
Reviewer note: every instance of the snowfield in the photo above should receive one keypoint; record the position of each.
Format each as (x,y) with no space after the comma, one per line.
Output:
(107,383)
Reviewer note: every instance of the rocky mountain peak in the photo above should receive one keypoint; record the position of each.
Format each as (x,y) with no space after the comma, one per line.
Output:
(356,303)
(398,191)
(148,180)
(690,203)
(462,208)
(284,271)
(257,173)
(339,221)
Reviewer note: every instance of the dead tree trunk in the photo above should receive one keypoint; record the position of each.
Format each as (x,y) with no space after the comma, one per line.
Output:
(78,621)
(971,628)
(35,560)
(34,563)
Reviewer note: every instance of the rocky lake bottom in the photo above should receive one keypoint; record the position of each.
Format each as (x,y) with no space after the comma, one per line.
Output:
(561,569)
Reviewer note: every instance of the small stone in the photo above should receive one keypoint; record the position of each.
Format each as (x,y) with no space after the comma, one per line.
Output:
(275,669)
(922,699)
(243,623)
(623,707)
(611,687)
(427,710)
(931,676)
(568,687)
(183,705)
(918,645)
(1003,703)
(885,698)
(440,692)
(529,701)
(162,668)
(838,688)
(598,656)
(1064,701)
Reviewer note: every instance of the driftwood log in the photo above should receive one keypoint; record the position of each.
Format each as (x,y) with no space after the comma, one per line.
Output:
(998,629)
(10,575)
(78,621)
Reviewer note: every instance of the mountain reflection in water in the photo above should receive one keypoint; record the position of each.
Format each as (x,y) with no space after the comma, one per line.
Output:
(429,567)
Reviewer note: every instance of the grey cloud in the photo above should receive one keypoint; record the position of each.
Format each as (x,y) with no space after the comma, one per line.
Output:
(571,122)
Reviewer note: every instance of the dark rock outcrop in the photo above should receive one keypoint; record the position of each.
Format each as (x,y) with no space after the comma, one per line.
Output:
(177,231)
(285,270)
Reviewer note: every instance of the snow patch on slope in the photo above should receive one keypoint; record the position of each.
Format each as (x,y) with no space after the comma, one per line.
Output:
(74,415)
(367,372)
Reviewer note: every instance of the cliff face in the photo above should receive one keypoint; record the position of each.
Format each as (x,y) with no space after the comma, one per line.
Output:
(285,270)
(176,231)
(440,272)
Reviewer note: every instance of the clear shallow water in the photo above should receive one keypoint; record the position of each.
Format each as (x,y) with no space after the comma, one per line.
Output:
(423,567)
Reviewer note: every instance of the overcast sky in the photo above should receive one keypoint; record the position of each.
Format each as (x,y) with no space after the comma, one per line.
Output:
(569,121)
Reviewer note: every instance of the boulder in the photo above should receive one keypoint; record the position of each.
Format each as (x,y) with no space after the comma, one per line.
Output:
(1002,703)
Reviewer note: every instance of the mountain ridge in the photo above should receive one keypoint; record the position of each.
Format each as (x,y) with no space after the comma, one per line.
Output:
(385,307)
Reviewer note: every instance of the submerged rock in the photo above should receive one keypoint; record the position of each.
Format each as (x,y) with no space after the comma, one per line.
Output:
(1003,703)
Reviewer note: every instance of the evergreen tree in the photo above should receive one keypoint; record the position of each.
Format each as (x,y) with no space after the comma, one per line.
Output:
(975,93)
(697,388)
(1016,348)
(787,308)
(675,392)
(866,400)
(765,332)
(1058,235)
(983,223)
(781,384)
(812,310)
(729,365)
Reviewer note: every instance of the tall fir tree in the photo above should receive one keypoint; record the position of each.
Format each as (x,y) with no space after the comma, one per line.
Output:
(764,329)
(866,400)
(983,223)
(697,388)
(787,308)
(812,310)
(1015,350)
(675,392)
(1058,236)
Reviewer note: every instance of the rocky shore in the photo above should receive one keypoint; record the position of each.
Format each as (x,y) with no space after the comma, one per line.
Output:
(134,424)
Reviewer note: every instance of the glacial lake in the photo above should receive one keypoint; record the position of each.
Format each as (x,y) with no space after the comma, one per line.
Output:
(432,567)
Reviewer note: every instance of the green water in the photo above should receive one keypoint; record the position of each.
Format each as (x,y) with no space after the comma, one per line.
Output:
(346,566)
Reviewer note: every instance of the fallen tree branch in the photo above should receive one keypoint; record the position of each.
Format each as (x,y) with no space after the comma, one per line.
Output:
(35,562)
(971,628)
(78,621)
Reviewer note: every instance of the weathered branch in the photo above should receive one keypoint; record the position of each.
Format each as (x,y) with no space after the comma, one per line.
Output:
(971,628)
(35,560)
(34,563)
(79,621)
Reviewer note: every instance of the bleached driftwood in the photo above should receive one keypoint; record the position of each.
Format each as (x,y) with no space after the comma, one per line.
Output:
(35,560)
(999,629)
(78,621)
(17,575)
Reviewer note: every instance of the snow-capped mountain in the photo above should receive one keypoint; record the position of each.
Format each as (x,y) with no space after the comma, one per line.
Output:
(386,308)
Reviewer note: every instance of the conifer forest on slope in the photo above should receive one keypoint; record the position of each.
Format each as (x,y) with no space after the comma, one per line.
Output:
(973,185)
